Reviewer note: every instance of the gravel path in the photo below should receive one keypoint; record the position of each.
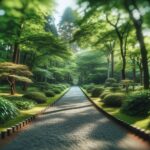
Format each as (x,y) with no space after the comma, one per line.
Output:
(74,124)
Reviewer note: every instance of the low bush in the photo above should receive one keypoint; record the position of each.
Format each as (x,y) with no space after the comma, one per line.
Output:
(115,89)
(105,93)
(89,87)
(21,102)
(50,93)
(56,90)
(42,85)
(137,103)
(36,96)
(7,110)
(24,104)
(97,91)
(114,99)
(110,82)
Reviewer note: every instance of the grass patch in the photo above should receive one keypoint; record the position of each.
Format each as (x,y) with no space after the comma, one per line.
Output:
(24,114)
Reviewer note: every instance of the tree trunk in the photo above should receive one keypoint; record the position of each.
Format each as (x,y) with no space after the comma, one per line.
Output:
(12,86)
(16,53)
(25,86)
(141,76)
(112,64)
(123,71)
(134,70)
(138,26)
(108,67)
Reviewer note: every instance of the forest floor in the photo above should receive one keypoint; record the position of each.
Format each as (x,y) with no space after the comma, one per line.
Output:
(74,124)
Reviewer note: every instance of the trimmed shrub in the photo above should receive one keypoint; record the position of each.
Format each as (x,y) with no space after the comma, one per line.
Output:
(137,104)
(57,90)
(7,110)
(110,82)
(114,100)
(115,89)
(89,87)
(49,93)
(36,96)
(97,91)
(115,85)
(42,85)
(24,105)
(105,93)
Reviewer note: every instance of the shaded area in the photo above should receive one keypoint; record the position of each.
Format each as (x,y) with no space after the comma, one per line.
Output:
(74,124)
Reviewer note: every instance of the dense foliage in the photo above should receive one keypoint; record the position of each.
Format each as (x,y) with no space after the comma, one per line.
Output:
(50,93)
(137,104)
(97,91)
(38,97)
(8,110)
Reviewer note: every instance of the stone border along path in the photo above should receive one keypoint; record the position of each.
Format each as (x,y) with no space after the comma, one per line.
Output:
(74,124)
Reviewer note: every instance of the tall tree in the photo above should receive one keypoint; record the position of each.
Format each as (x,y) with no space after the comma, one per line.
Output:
(132,8)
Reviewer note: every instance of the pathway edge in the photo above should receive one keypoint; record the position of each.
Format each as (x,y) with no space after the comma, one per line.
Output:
(137,131)
(17,127)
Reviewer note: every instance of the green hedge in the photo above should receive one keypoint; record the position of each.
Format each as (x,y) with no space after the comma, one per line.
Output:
(50,93)
(97,91)
(36,96)
(114,99)
(56,90)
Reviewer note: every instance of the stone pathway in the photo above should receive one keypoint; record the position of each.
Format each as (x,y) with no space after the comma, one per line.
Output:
(74,124)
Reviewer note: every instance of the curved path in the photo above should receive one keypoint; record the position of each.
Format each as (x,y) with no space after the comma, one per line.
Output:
(74,124)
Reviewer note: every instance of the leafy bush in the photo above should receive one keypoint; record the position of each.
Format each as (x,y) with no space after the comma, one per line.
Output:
(57,90)
(7,110)
(137,103)
(21,102)
(89,87)
(97,91)
(115,85)
(61,86)
(115,89)
(42,85)
(114,99)
(33,89)
(49,93)
(24,105)
(36,96)
(110,81)
(105,93)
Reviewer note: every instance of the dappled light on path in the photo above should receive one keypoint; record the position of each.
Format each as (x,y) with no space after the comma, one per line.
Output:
(74,124)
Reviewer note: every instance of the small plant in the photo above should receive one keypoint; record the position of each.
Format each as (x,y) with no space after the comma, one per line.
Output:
(50,93)
(114,99)
(137,103)
(7,110)
(97,91)
(24,105)
(36,96)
